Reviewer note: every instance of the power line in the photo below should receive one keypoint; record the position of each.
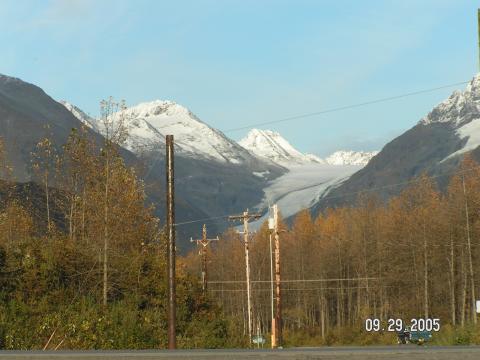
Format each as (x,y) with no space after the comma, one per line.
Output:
(304,289)
(204,219)
(346,107)
(295,280)
(335,109)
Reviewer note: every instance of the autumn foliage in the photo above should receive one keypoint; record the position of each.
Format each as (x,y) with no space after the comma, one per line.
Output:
(416,255)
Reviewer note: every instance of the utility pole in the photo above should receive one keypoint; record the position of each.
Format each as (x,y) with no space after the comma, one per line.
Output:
(278,298)
(245,217)
(172,339)
(271,227)
(203,252)
(469,250)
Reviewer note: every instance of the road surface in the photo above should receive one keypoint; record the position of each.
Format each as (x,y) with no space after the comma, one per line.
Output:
(336,353)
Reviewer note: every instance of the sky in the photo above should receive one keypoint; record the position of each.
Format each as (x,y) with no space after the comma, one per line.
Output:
(240,62)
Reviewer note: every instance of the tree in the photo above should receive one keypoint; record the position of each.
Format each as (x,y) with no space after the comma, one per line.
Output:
(114,132)
(45,162)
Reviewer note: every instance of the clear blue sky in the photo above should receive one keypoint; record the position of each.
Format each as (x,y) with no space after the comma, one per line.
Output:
(237,62)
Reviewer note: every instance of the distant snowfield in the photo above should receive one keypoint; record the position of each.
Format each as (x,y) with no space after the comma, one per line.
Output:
(302,187)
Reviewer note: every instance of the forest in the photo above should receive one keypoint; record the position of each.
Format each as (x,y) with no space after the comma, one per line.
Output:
(416,255)
(88,271)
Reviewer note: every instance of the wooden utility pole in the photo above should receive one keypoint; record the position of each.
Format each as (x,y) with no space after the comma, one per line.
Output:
(203,252)
(274,335)
(172,339)
(278,298)
(246,217)
(469,252)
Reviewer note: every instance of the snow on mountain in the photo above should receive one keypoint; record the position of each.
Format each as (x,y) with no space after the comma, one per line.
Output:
(80,115)
(343,157)
(192,136)
(462,112)
(306,184)
(459,108)
(149,122)
(272,146)
(302,187)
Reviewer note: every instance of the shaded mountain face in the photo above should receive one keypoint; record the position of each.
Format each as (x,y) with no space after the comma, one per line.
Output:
(25,113)
(435,146)
(32,197)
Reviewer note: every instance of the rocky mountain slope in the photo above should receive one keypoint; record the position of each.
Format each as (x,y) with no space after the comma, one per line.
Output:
(28,114)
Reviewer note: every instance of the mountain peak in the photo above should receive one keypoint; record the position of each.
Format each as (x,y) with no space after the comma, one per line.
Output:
(157,107)
(272,146)
(349,157)
(459,108)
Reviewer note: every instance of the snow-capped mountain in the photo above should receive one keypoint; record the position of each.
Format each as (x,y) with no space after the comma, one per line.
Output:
(149,122)
(459,108)
(343,157)
(460,111)
(272,146)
